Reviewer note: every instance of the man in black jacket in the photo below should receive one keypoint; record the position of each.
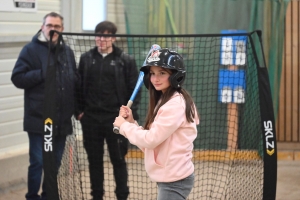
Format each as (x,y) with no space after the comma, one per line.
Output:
(29,74)
(108,79)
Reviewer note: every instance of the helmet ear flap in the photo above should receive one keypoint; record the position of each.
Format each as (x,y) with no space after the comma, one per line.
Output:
(177,79)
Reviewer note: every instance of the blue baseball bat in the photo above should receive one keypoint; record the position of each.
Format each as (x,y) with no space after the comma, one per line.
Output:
(138,84)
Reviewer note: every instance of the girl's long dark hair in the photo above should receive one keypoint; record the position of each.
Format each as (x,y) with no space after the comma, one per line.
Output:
(155,96)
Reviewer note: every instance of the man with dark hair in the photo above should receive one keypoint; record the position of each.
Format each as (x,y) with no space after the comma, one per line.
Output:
(29,74)
(108,79)
(106,26)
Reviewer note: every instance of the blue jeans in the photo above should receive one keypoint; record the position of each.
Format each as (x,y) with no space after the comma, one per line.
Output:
(175,190)
(35,169)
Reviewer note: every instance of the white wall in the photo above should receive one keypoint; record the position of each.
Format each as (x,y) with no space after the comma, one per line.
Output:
(71,10)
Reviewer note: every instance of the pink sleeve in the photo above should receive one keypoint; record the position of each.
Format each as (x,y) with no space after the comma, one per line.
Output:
(168,119)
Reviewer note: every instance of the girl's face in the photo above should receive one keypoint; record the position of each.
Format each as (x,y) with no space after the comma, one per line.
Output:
(159,77)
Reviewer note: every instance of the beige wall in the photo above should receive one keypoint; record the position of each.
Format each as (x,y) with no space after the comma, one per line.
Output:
(288,118)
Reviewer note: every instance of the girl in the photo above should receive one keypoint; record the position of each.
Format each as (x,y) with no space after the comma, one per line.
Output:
(170,128)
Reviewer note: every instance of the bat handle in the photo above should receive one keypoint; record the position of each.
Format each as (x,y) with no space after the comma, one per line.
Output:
(116,130)
(129,103)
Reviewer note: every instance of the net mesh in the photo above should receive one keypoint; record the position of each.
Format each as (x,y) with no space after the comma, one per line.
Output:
(222,79)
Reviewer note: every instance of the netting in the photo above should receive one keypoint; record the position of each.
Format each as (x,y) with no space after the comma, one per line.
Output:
(234,152)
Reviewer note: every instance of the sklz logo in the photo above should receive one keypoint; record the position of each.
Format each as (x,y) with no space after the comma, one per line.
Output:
(269,136)
(48,135)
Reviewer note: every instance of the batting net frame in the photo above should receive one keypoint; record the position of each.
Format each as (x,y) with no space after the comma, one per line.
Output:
(235,153)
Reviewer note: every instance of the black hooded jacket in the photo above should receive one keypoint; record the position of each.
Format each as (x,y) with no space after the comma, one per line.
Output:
(29,74)
(99,96)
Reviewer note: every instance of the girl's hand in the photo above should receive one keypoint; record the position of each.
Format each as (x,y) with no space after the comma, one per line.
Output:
(126,112)
(123,112)
(119,121)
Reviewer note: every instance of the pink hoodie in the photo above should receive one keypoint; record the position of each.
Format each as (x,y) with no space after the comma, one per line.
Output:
(168,145)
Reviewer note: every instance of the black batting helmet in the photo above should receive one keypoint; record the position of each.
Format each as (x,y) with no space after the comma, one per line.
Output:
(166,59)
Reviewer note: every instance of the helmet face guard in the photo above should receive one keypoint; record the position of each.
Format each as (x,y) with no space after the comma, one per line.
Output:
(166,59)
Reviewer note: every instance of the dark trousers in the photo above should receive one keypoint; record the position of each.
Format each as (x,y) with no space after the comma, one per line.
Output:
(35,169)
(94,134)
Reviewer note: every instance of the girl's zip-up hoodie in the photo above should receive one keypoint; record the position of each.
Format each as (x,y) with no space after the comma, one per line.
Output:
(168,145)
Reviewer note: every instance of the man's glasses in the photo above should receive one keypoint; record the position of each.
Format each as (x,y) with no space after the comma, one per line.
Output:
(103,37)
(56,27)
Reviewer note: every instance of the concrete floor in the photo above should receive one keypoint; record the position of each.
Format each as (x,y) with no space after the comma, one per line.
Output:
(288,183)
(288,180)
